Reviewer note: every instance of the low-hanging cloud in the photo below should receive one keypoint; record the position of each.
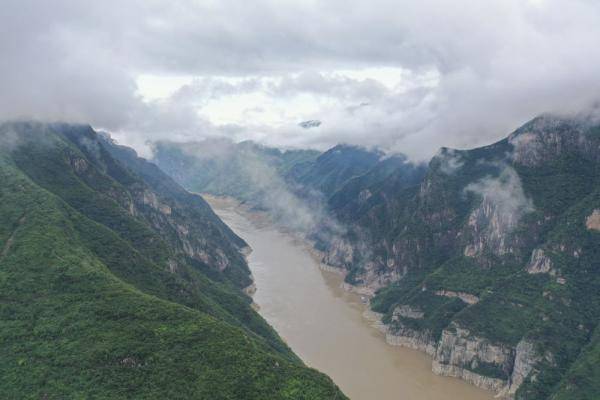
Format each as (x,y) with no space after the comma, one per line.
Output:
(505,193)
(450,161)
(292,206)
(495,65)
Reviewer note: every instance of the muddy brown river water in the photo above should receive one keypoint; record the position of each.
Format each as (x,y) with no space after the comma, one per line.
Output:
(324,324)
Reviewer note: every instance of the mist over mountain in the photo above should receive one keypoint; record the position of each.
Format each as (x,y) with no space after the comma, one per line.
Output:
(437,164)
(487,258)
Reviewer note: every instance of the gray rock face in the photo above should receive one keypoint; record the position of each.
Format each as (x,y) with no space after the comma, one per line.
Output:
(413,339)
(592,222)
(529,148)
(484,382)
(79,164)
(540,263)
(490,226)
(340,252)
(460,354)
(466,297)
(525,360)
(458,347)
(547,137)
(373,279)
(364,195)
(407,311)
(149,198)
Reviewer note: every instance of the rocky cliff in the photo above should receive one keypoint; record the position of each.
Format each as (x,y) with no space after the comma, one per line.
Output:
(490,259)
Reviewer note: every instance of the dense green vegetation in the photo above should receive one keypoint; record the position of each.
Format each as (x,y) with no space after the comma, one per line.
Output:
(332,169)
(558,310)
(581,380)
(89,304)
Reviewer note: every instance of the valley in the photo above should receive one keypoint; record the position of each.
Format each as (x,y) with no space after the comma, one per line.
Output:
(324,324)
(300,200)
(485,258)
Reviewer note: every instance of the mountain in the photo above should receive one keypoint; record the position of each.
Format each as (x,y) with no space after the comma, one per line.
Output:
(487,259)
(243,170)
(332,169)
(492,263)
(281,181)
(116,283)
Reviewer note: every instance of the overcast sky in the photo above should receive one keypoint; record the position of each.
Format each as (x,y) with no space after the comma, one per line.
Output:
(408,76)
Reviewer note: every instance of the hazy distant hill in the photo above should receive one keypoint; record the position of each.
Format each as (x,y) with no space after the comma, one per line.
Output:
(115,283)
(218,166)
(292,184)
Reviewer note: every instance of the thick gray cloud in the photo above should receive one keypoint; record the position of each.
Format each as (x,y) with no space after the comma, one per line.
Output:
(497,64)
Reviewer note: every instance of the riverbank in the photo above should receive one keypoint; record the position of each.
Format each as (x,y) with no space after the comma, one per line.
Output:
(330,328)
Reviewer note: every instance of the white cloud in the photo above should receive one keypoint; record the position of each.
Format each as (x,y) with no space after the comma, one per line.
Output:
(409,76)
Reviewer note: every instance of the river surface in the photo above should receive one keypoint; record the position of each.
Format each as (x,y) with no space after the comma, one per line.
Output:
(324,324)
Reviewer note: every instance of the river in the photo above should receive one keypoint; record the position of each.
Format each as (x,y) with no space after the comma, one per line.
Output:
(324,324)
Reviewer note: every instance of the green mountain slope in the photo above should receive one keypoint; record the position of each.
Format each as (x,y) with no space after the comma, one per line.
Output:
(332,169)
(581,380)
(490,264)
(100,297)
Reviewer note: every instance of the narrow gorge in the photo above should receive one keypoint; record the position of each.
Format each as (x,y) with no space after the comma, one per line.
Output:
(300,200)
(485,259)
(326,325)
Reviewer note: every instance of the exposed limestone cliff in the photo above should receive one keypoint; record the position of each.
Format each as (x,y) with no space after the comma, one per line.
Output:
(488,227)
(399,335)
(547,137)
(491,224)
(79,164)
(525,360)
(150,199)
(364,195)
(374,277)
(462,355)
(481,381)
(492,366)
(407,311)
(340,252)
(593,221)
(466,297)
(540,263)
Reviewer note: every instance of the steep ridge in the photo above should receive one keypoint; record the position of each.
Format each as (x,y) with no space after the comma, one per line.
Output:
(332,169)
(490,264)
(487,259)
(117,284)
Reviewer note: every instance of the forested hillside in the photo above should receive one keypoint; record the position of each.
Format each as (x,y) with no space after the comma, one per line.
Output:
(117,283)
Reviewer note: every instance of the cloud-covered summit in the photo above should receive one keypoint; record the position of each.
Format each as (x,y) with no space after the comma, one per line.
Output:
(406,76)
